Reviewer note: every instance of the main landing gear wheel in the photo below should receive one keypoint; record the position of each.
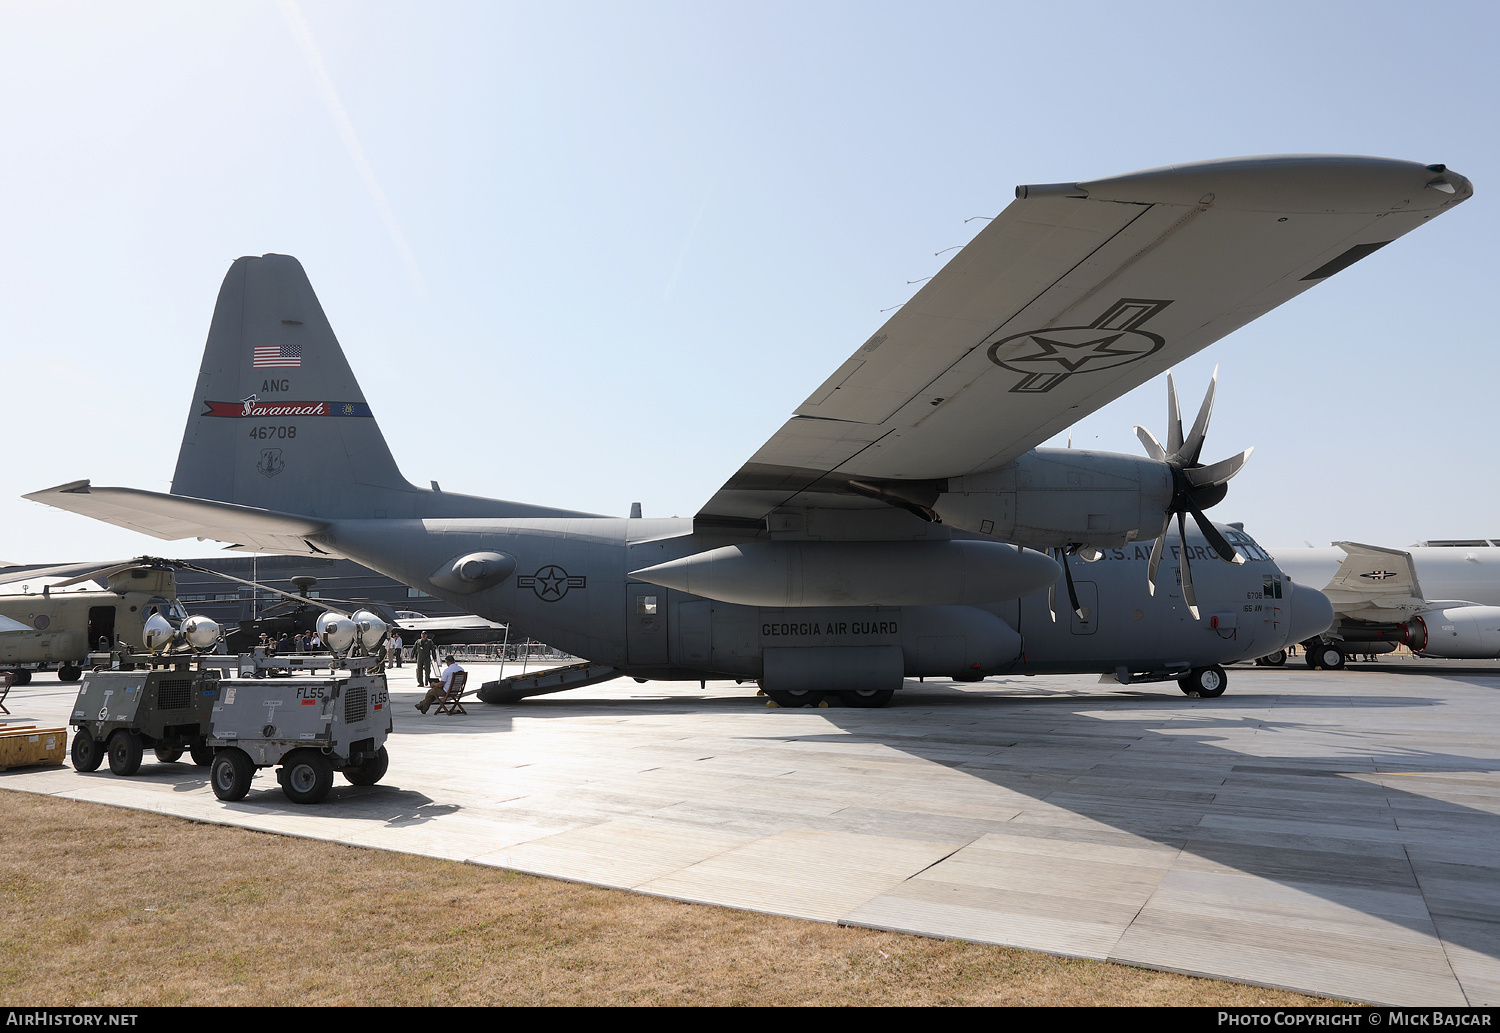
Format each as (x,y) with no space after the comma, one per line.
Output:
(370,770)
(69,672)
(792,700)
(1329,658)
(125,752)
(1276,659)
(168,754)
(230,774)
(1204,682)
(867,697)
(306,776)
(88,752)
(19,677)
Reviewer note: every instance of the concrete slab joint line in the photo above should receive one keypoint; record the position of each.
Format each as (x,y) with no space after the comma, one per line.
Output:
(1417,878)
(1147,828)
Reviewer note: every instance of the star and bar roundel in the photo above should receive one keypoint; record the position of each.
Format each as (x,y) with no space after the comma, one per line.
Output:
(1047,358)
(551,582)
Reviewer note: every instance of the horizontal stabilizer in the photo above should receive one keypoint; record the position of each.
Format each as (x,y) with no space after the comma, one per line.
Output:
(170,517)
(1375,583)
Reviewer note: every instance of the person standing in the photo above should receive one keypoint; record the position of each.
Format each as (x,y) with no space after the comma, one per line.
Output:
(396,645)
(424,652)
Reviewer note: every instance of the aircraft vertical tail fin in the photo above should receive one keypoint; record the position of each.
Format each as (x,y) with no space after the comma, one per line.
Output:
(279,421)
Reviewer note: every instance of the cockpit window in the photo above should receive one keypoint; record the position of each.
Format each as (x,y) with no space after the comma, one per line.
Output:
(1245,546)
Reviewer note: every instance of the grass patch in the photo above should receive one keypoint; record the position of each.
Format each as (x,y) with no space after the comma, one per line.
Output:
(114,907)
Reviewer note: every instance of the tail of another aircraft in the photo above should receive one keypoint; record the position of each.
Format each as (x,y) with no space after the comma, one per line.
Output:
(279,421)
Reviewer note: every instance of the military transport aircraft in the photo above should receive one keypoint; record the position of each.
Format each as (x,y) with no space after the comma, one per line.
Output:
(1452,610)
(897,524)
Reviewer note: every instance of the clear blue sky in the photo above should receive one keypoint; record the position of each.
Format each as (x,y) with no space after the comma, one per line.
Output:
(591,254)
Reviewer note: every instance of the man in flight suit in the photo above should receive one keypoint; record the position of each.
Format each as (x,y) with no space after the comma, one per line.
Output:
(424,651)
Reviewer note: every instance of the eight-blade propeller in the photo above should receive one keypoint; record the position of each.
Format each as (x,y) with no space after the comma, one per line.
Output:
(1195,487)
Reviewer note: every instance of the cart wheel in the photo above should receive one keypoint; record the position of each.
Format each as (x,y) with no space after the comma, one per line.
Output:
(306,776)
(230,774)
(125,752)
(202,754)
(167,754)
(87,751)
(370,770)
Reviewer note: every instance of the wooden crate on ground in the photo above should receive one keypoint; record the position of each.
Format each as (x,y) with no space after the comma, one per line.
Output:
(29,745)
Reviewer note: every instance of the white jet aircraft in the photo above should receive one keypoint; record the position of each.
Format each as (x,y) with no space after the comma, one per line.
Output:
(1450,609)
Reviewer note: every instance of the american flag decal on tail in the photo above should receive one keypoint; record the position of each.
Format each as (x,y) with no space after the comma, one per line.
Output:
(277,356)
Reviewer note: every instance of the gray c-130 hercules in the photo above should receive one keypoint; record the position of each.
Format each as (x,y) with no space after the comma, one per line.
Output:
(900,523)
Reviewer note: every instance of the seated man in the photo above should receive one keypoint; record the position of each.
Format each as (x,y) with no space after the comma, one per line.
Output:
(437,688)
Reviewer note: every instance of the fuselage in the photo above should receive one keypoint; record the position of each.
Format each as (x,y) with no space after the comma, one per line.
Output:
(571,587)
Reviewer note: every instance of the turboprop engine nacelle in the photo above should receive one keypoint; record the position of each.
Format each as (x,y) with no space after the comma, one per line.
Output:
(857,573)
(1457,633)
(1053,497)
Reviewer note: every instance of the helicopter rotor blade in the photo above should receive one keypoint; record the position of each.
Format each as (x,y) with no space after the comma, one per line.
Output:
(264,588)
(106,573)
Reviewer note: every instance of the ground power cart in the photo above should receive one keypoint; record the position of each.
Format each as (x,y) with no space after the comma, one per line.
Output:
(120,713)
(311,727)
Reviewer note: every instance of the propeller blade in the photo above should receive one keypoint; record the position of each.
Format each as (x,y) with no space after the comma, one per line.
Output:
(1186,569)
(1219,473)
(1174,419)
(1072,592)
(1156,550)
(1153,447)
(1216,540)
(1193,446)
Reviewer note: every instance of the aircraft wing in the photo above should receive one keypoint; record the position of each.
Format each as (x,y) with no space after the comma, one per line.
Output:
(467,622)
(171,517)
(1070,297)
(1373,583)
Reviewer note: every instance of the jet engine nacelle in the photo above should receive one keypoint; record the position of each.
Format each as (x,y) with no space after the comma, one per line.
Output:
(1456,633)
(1058,497)
(857,573)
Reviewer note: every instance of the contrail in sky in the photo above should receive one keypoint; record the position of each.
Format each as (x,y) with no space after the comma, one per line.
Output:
(341,119)
(682,257)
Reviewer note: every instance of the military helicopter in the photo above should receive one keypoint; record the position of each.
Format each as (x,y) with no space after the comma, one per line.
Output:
(43,625)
